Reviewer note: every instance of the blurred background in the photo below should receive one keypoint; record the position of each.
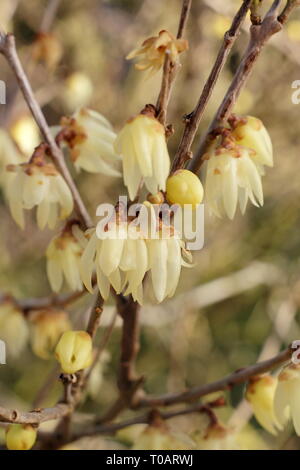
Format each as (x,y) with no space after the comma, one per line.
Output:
(241,300)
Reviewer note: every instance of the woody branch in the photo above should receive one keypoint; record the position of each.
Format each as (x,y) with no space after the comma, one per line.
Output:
(259,36)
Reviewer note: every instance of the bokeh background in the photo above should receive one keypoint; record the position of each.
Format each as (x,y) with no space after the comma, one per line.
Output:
(241,300)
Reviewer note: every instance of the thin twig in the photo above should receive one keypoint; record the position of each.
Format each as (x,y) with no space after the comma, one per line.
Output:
(193,119)
(49,15)
(170,69)
(240,376)
(145,418)
(128,382)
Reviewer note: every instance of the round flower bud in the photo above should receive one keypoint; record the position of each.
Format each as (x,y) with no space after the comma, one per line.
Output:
(184,187)
(20,437)
(74,351)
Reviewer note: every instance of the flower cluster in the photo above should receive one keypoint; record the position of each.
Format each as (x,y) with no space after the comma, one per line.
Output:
(235,165)
(122,255)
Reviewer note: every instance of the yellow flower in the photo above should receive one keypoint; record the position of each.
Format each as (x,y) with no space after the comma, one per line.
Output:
(91,138)
(38,183)
(184,187)
(165,262)
(260,394)
(120,258)
(63,257)
(74,351)
(47,326)
(286,401)
(13,328)
(250,132)
(20,437)
(142,145)
(231,178)
(152,53)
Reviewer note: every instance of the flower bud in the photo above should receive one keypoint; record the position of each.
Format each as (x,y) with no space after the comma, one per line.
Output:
(47,326)
(74,351)
(251,133)
(260,394)
(20,437)
(184,187)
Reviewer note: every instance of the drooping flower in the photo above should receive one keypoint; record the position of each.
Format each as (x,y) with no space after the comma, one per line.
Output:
(119,259)
(90,138)
(13,328)
(20,436)
(74,351)
(184,187)
(47,326)
(251,133)
(152,52)
(38,183)
(260,394)
(142,145)
(286,400)
(63,257)
(123,253)
(231,178)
